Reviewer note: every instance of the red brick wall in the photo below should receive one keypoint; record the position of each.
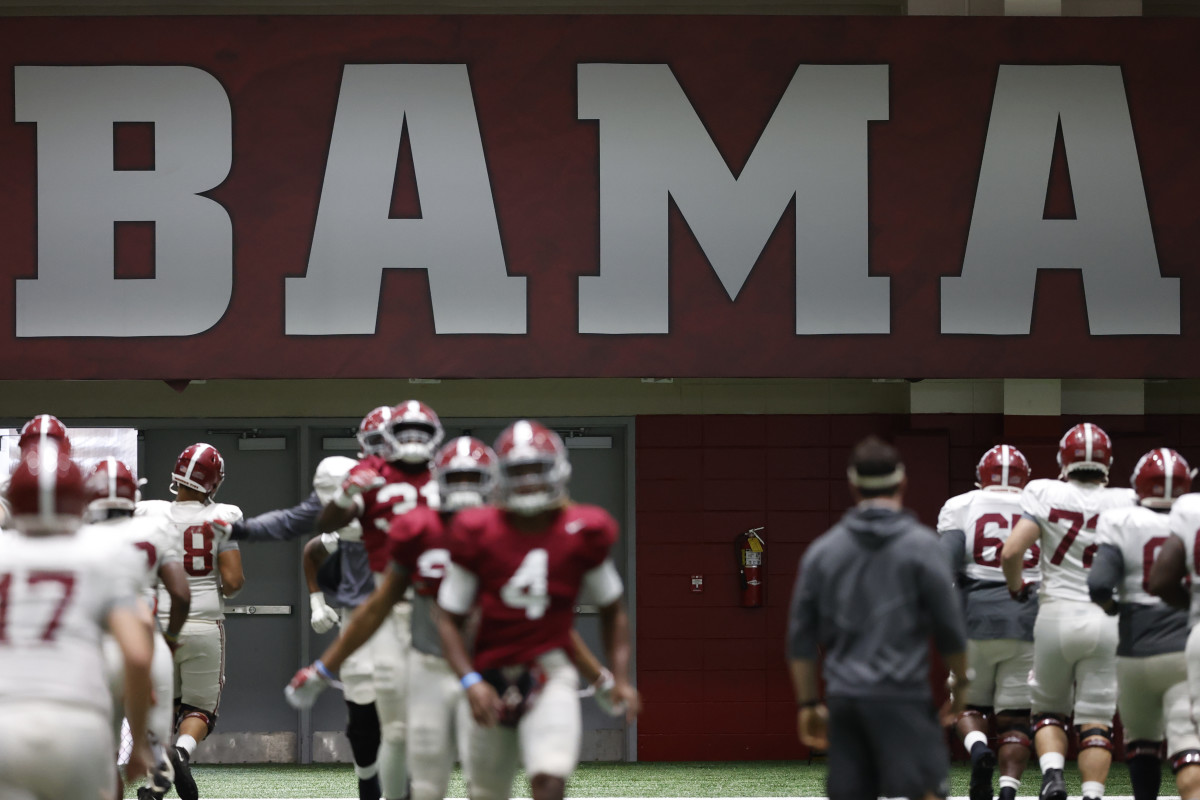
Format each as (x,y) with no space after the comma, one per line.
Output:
(713,673)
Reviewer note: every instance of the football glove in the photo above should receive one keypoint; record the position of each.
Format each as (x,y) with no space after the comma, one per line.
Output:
(308,683)
(1023,594)
(323,617)
(356,485)
(221,529)
(603,687)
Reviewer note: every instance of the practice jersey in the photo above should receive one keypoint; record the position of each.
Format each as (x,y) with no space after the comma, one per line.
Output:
(526,583)
(986,517)
(199,546)
(974,527)
(154,540)
(1067,513)
(419,543)
(55,596)
(1184,523)
(1148,626)
(376,509)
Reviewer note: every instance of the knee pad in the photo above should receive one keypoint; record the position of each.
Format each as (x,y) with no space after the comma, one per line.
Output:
(1142,747)
(393,731)
(1095,737)
(1185,758)
(1013,730)
(185,711)
(362,729)
(1047,720)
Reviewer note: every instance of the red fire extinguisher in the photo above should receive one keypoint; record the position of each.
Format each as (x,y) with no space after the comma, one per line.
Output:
(752,550)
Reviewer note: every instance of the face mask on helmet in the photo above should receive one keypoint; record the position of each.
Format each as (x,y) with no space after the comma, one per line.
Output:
(531,487)
(413,442)
(464,488)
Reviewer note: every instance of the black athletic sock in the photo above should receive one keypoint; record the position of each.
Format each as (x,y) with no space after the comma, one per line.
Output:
(368,788)
(1008,793)
(1145,775)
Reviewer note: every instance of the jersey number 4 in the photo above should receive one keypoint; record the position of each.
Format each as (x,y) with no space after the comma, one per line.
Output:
(1075,518)
(66,580)
(527,588)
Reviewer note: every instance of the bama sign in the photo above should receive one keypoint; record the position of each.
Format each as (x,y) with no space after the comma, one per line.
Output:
(495,196)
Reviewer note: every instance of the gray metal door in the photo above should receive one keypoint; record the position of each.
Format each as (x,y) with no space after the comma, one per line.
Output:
(262,651)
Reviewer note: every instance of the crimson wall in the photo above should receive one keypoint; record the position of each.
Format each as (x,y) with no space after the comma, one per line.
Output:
(712,673)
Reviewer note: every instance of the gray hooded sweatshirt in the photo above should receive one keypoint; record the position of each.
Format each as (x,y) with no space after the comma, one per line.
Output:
(871,591)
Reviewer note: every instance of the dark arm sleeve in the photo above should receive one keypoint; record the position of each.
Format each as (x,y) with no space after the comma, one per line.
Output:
(803,636)
(953,544)
(1105,575)
(282,525)
(939,599)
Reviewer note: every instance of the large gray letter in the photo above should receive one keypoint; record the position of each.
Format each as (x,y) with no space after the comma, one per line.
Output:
(80,196)
(1110,242)
(814,148)
(457,240)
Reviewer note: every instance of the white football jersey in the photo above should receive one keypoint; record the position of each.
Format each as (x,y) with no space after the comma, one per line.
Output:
(55,596)
(1139,533)
(1184,522)
(986,516)
(1067,513)
(154,539)
(199,545)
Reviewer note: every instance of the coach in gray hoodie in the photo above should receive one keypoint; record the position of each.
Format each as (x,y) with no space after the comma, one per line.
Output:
(870,593)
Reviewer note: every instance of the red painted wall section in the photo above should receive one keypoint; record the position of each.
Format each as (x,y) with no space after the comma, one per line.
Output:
(712,673)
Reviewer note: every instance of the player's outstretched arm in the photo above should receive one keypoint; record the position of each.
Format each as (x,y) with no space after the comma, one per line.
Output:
(1168,572)
(614,624)
(346,505)
(1012,557)
(134,638)
(281,525)
(232,576)
(175,581)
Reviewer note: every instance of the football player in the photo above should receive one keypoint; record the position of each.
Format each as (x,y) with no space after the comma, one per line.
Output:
(973,527)
(213,565)
(43,426)
(466,473)
(57,596)
(392,479)
(112,493)
(524,564)
(347,577)
(1074,642)
(1152,690)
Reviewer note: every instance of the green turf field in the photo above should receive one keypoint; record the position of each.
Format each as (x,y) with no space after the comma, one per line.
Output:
(685,779)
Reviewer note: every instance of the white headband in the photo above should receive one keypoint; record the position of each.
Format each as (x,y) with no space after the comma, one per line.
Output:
(887,481)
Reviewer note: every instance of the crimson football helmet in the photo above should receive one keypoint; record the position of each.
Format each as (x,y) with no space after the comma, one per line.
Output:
(1161,476)
(415,431)
(1004,466)
(110,486)
(199,467)
(466,473)
(373,433)
(1085,447)
(534,469)
(44,426)
(46,490)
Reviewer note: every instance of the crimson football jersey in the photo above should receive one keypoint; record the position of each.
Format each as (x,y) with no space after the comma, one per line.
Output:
(528,583)
(418,542)
(403,492)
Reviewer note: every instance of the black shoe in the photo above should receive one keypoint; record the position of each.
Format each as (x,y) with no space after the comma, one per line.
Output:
(983,761)
(1054,787)
(185,784)
(368,788)
(146,793)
